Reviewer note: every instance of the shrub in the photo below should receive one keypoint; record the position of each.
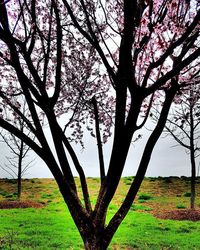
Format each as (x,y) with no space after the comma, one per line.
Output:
(141,201)
(46,196)
(10,196)
(4,193)
(135,207)
(145,197)
(187,194)
(128,180)
(180,206)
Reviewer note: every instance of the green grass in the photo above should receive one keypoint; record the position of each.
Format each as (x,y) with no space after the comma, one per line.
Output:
(145,197)
(51,227)
(45,228)
(187,194)
(181,206)
(136,207)
(143,231)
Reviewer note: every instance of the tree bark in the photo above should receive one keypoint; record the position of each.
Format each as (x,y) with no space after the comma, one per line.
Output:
(193,176)
(95,241)
(19,176)
(192,157)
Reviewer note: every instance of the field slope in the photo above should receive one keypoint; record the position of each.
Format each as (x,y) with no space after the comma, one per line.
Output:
(49,226)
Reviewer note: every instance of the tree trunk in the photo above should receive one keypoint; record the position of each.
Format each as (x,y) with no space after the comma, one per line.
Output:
(95,242)
(19,175)
(19,187)
(193,180)
(192,157)
(94,245)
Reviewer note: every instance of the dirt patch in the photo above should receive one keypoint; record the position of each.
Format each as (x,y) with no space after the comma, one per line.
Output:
(20,204)
(179,214)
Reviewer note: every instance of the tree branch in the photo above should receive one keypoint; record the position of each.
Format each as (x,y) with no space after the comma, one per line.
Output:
(99,143)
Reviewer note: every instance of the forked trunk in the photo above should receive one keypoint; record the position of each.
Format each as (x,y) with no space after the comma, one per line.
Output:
(91,228)
(95,242)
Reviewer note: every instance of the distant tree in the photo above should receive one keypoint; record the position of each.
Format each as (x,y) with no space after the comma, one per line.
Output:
(18,162)
(183,125)
(96,64)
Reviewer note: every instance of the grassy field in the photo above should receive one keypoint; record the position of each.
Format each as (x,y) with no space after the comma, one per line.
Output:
(51,227)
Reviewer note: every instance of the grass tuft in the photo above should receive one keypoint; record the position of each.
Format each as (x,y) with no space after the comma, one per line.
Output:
(187,194)
(145,196)
(136,207)
(181,206)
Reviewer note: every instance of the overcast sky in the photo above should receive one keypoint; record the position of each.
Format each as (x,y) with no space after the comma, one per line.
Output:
(166,160)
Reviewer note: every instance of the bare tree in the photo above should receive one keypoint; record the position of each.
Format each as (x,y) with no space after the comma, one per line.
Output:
(96,64)
(18,162)
(184,126)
